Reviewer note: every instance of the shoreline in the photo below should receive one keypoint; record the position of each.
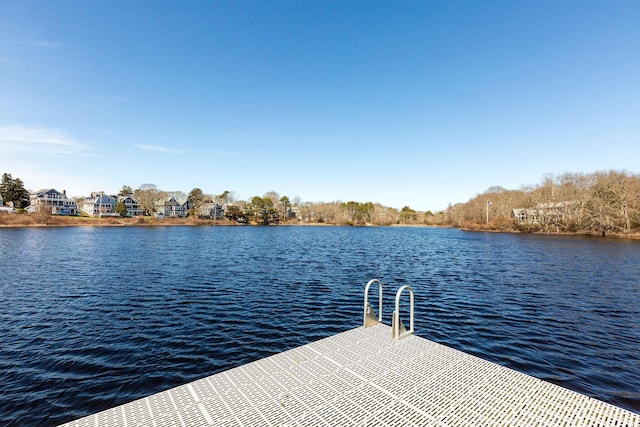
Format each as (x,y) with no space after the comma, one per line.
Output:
(588,234)
(12,221)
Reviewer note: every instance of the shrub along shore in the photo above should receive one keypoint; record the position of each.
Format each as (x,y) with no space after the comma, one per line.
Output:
(30,220)
(36,220)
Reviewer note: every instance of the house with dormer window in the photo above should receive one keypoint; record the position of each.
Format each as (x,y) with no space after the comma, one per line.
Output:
(172,208)
(544,213)
(99,205)
(131,205)
(53,200)
(211,210)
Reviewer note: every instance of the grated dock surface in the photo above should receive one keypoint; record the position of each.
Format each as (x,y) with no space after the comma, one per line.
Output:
(362,377)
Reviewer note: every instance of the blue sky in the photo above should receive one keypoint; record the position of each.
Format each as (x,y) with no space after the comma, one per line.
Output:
(419,103)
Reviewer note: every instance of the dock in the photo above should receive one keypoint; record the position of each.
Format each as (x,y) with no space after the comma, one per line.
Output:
(373,375)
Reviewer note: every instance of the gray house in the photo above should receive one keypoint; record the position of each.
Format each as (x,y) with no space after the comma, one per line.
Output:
(211,210)
(131,205)
(171,208)
(544,213)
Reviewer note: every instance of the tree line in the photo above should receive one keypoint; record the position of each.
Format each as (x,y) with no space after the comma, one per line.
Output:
(601,202)
(267,209)
(273,208)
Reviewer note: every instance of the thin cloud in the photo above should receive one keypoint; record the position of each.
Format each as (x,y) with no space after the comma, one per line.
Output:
(46,44)
(38,140)
(41,44)
(158,149)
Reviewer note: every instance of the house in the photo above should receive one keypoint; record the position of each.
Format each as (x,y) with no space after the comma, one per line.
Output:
(99,205)
(172,208)
(187,206)
(211,210)
(526,216)
(131,205)
(291,212)
(51,199)
(8,209)
(544,213)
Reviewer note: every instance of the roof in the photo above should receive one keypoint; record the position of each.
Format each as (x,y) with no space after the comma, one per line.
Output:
(47,190)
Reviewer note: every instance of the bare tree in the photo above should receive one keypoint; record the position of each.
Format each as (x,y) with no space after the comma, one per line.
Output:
(383,215)
(603,202)
(180,196)
(274,197)
(148,195)
(611,201)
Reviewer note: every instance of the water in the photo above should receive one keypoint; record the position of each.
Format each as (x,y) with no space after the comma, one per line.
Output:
(97,317)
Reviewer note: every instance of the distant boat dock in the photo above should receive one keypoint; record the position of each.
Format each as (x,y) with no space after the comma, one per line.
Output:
(374,375)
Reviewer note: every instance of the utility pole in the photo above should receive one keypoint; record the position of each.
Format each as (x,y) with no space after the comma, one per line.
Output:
(488,204)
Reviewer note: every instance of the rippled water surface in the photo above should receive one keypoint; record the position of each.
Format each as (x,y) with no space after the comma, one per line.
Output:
(97,317)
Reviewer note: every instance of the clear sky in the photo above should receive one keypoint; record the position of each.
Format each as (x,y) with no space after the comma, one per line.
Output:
(418,103)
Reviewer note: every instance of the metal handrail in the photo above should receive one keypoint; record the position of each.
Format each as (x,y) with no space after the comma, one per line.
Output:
(370,315)
(398,331)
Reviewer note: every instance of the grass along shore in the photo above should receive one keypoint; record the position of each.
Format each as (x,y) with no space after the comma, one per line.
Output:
(47,220)
(38,220)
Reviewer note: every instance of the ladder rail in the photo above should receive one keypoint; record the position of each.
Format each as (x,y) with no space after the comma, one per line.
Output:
(369,315)
(398,330)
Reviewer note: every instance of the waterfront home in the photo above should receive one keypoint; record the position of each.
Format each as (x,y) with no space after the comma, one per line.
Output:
(131,205)
(187,206)
(526,216)
(211,210)
(53,200)
(544,213)
(8,209)
(172,208)
(98,205)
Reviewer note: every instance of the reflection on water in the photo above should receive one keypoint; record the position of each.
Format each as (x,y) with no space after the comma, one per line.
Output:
(96,317)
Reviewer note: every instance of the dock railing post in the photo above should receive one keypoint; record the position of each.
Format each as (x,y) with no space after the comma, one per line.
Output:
(370,315)
(398,331)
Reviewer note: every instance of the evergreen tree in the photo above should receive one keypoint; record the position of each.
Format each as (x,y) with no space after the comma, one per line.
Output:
(125,191)
(121,208)
(196,197)
(12,190)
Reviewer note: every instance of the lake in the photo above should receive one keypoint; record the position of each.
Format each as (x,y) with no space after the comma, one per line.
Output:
(95,317)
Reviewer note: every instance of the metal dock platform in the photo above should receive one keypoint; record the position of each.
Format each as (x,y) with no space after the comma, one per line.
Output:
(375,375)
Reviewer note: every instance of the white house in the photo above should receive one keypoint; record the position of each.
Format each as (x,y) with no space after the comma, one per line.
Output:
(54,200)
(99,204)
(8,209)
